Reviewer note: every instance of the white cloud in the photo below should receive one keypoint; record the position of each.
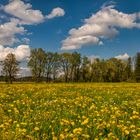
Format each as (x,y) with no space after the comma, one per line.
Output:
(111,17)
(26,40)
(124,56)
(56,12)
(24,72)
(24,12)
(75,43)
(102,25)
(21,52)
(93,57)
(8,32)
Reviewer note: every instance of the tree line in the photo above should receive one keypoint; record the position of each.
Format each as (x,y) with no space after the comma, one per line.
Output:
(72,67)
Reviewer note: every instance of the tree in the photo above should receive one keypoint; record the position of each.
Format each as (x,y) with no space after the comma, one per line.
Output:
(137,67)
(37,63)
(97,70)
(85,69)
(65,62)
(10,67)
(115,70)
(75,61)
(128,69)
(52,66)
(55,66)
(48,65)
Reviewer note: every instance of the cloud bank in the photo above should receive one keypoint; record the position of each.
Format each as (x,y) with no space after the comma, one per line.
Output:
(105,24)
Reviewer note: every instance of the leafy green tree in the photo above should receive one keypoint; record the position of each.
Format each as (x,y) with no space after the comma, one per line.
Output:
(97,70)
(65,63)
(37,63)
(115,70)
(49,65)
(75,61)
(10,67)
(55,66)
(85,69)
(137,68)
(128,69)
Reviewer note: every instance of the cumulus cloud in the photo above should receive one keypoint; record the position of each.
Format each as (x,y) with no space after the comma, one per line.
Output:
(21,14)
(24,12)
(56,12)
(124,56)
(21,52)
(75,43)
(8,32)
(27,15)
(102,25)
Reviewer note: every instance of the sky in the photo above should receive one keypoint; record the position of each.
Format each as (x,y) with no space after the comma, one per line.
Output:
(95,28)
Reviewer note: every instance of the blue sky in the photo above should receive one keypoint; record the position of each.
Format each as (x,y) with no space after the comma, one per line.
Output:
(49,33)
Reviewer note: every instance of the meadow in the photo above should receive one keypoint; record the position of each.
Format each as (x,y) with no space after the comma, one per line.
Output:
(94,111)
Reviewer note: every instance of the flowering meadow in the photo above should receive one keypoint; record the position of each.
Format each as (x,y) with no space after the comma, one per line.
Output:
(70,111)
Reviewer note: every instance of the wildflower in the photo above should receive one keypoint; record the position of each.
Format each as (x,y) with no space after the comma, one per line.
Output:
(2,126)
(86,136)
(135,112)
(126,132)
(105,139)
(17,125)
(62,136)
(77,130)
(54,138)
(132,126)
(36,128)
(23,123)
(23,130)
(9,110)
(110,134)
(85,121)
(75,139)
(66,130)
(72,123)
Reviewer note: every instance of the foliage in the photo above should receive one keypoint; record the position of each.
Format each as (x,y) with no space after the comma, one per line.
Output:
(37,63)
(137,70)
(10,67)
(72,67)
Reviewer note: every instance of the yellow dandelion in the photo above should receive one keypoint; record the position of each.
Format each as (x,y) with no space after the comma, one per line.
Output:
(126,132)
(36,128)
(85,121)
(77,130)
(62,136)
(54,138)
